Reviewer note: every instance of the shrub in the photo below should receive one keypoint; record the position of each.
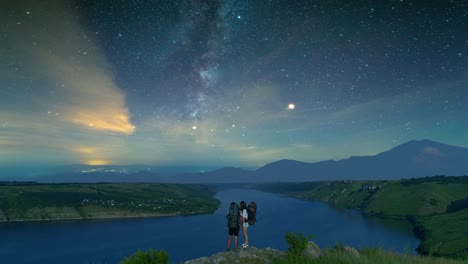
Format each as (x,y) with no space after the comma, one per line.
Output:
(149,257)
(457,205)
(297,243)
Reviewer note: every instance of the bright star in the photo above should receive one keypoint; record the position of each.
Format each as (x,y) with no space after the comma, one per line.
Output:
(291,106)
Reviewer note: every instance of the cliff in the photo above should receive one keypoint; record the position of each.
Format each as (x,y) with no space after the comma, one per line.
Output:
(247,255)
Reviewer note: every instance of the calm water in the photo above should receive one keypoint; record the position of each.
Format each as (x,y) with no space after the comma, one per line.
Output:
(196,236)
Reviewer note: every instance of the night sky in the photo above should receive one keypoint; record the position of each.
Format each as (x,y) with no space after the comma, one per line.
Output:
(228,83)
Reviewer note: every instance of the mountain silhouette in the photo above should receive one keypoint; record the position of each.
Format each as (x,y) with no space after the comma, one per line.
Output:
(416,158)
(413,159)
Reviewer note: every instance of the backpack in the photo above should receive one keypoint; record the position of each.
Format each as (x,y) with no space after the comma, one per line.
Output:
(233,216)
(251,210)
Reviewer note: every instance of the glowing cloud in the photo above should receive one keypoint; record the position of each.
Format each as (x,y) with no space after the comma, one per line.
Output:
(85,150)
(78,85)
(59,92)
(96,162)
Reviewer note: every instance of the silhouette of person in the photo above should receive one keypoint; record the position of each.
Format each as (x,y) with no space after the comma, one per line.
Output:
(233,231)
(244,223)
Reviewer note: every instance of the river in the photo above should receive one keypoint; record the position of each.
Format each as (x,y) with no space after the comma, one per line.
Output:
(188,237)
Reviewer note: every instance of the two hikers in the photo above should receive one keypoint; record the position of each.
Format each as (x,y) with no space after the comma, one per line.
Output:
(240,217)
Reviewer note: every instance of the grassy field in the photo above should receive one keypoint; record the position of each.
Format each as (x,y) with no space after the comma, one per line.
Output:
(35,202)
(366,256)
(436,206)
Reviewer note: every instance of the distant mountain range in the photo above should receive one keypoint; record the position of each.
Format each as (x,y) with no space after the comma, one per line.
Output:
(410,160)
(417,158)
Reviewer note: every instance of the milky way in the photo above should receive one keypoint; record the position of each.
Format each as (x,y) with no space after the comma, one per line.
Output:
(239,83)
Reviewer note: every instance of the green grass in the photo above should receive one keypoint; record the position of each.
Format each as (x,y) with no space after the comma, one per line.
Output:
(423,199)
(22,202)
(301,251)
(366,256)
(149,257)
(445,233)
(436,206)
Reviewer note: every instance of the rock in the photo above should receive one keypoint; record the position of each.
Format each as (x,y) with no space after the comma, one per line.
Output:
(351,251)
(312,250)
(249,254)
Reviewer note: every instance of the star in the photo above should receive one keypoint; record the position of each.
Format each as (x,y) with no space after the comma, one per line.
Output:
(213,68)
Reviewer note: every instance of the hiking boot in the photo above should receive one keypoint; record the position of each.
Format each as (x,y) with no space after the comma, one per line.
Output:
(245,246)
(227,249)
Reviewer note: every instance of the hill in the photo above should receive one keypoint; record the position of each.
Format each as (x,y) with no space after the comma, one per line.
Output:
(338,254)
(303,252)
(409,160)
(436,206)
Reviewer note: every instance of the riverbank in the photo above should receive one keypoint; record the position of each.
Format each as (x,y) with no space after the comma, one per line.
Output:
(89,218)
(435,206)
(104,217)
(58,202)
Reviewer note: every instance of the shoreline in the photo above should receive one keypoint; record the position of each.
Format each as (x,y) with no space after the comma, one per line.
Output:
(102,218)
(417,231)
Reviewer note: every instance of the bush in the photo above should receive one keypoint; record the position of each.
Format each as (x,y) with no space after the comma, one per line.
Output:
(149,257)
(297,243)
(457,205)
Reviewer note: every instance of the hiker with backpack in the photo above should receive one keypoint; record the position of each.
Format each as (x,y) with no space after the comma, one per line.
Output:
(248,218)
(244,223)
(233,225)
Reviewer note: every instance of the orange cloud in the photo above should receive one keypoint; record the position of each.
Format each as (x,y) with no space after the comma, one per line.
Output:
(96,162)
(112,122)
(85,150)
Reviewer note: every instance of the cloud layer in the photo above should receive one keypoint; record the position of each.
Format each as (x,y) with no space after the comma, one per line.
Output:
(58,87)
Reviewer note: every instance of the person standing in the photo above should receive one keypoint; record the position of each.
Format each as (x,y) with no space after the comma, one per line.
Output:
(244,223)
(233,225)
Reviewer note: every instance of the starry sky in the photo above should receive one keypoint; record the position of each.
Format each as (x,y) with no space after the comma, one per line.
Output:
(228,83)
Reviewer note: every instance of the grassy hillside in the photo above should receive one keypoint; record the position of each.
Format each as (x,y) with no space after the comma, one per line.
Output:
(421,199)
(31,201)
(445,233)
(366,256)
(338,254)
(437,206)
